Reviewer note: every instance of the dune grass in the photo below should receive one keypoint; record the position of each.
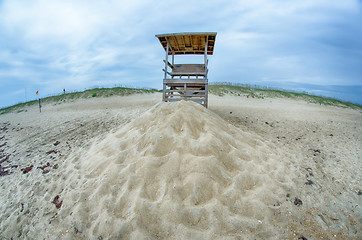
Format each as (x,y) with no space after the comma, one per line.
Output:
(90,93)
(216,89)
(262,92)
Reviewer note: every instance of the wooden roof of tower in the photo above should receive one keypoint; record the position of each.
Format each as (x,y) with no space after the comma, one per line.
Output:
(188,43)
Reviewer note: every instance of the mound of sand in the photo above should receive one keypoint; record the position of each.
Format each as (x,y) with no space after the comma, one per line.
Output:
(177,171)
(243,169)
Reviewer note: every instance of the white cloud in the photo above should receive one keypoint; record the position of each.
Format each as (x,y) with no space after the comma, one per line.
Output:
(48,20)
(70,23)
(81,43)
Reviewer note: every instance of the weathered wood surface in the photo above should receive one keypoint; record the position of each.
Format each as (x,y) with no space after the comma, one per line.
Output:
(182,81)
(186,74)
(188,43)
(187,68)
(169,64)
(191,99)
(192,89)
(183,95)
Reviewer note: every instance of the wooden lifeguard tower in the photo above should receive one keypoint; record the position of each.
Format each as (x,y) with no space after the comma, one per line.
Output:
(186,81)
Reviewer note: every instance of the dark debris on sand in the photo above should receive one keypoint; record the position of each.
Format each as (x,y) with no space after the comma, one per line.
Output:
(3,172)
(316,152)
(51,151)
(309,182)
(56,201)
(297,202)
(27,169)
(45,171)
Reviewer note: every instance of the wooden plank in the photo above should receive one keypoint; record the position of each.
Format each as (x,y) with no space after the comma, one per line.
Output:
(189,85)
(205,59)
(182,81)
(169,64)
(196,74)
(193,91)
(188,68)
(193,74)
(180,87)
(188,92)
(206,95)
(184,96)
(166,61)
(180,99)
(186,33)
(189,88)
(206,64)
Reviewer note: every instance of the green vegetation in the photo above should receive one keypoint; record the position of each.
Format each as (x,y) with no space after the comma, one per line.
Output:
(220,90)
(18,107)
(260,92)
(91,93)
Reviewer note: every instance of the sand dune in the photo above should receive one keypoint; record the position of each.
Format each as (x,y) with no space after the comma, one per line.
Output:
(141,169)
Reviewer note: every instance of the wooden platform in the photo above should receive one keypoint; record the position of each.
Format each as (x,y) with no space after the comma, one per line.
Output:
(185,89)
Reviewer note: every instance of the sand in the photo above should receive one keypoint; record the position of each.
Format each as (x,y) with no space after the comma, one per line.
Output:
(136,168)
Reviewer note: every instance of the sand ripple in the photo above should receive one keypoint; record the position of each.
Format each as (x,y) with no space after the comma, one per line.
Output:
(177,171)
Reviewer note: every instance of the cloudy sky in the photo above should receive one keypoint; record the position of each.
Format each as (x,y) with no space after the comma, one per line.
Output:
(309,45)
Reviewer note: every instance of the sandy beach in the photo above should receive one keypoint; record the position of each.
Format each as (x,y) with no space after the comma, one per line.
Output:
(133,167)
